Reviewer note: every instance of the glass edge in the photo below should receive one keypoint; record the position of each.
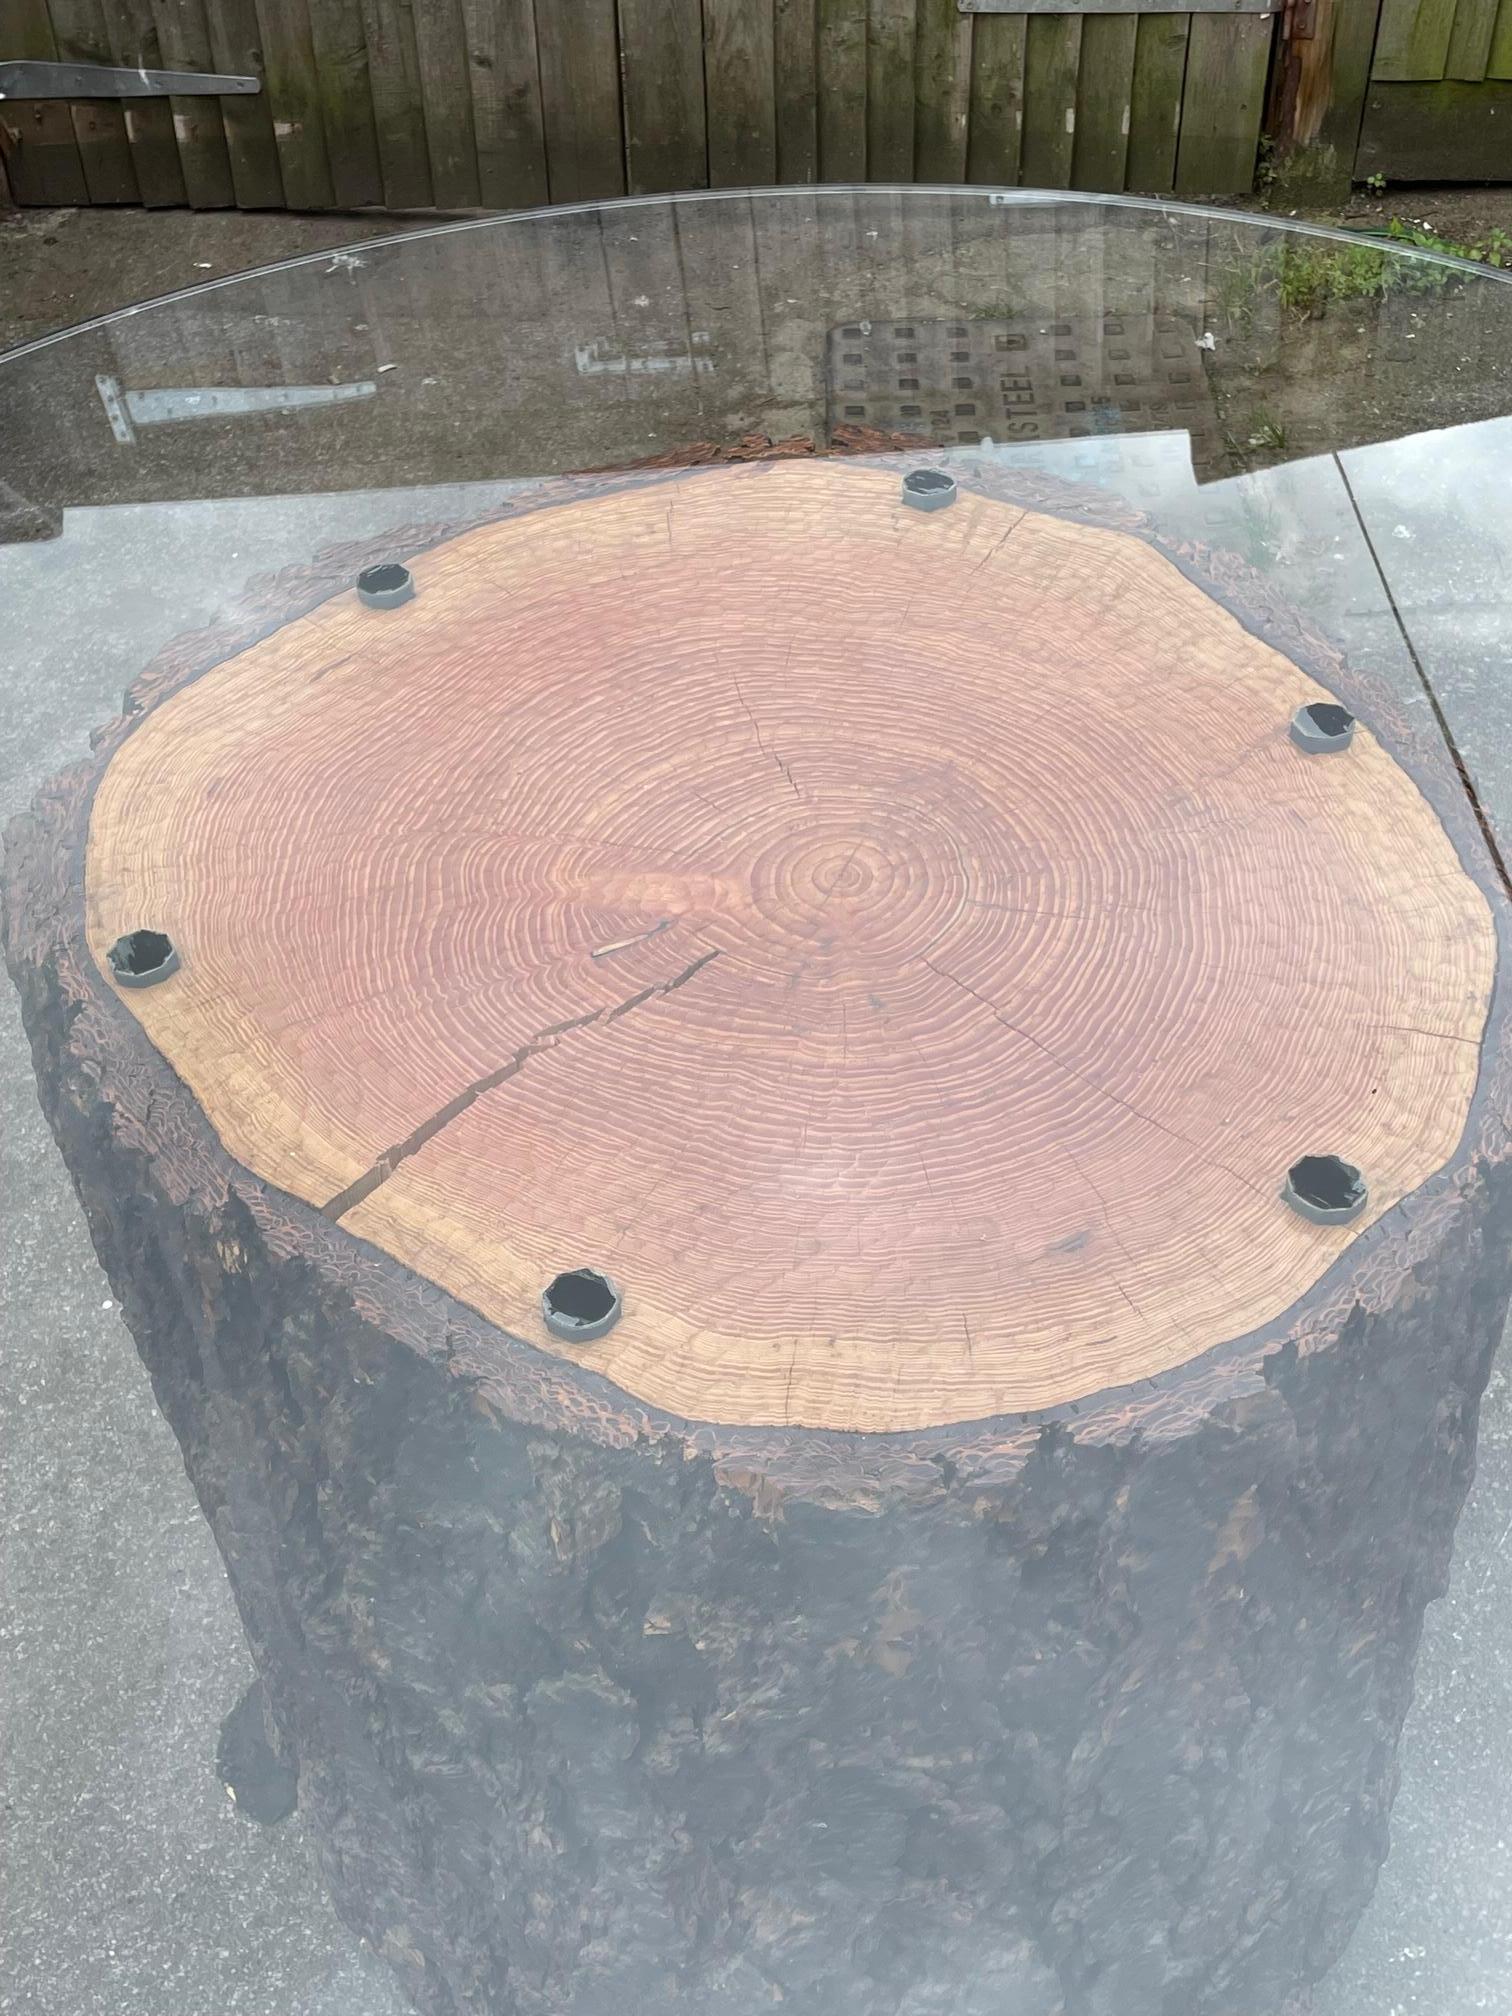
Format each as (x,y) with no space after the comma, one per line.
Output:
(1004,198)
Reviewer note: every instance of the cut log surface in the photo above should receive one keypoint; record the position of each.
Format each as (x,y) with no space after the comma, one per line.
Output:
(905,949)
(982,1569)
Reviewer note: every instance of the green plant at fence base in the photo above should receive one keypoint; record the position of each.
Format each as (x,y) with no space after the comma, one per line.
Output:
(1494,250)
(1376,183)
(1304,276)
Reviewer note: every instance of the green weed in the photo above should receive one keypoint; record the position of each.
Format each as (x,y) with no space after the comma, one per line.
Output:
(1495,249)
(1305,275)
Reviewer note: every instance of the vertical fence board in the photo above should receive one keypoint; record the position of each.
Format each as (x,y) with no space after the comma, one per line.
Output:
(1227,59)
(506,99)
(794,35)
(995,136)
(133,39)
(45,166)
(1160,57)
(341,60)
(661,59)
(1412,42)
(842,90)
(580,99)
(292,87)
(184,38)
(889,90)
(1104,101)
(1470,41)
(1052,61)
(398,117)
(738,57)
(446,96)
(1499,62)
(104,150)
(942,91)
(236,43)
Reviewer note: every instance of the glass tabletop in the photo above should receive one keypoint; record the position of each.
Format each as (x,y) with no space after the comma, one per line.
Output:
(963,585)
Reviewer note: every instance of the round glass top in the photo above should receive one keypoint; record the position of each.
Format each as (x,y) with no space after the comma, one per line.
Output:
(841,814)
(1329,407)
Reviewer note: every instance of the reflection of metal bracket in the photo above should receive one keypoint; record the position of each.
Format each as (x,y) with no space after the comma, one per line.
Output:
(126,411)
(27,79)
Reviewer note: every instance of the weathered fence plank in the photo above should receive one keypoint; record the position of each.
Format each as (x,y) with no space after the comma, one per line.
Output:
(995,138)
(1052,65)
(742,94)
(99,127)
(1104,101)
(341,58)
(666,142)
(942,91)
(1412,41)
(1227,59)
(237,41)
(890,90)
(292,91)
(1470,41)
(45,165)
(795,39)
(580,99)
(1160,55)
(842,90)
(446,94)
(198,123)
(506,95)
(398,107)
(133,39)
(1437,132)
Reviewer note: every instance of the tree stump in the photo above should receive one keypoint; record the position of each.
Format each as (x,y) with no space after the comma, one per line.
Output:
(703,1189)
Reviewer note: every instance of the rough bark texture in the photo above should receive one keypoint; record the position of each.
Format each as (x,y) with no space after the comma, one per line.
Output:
(1090,1714)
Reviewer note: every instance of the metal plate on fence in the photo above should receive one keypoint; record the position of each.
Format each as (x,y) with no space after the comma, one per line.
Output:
(1029,378)
(30,79)
(1114,7)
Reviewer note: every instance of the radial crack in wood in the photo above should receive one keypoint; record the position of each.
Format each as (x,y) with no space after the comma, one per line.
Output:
(358,1192)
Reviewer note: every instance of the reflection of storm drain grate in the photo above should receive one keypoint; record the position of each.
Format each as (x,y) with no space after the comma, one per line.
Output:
(1028,379)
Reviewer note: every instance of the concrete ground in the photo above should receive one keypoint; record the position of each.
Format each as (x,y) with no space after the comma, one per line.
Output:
(132,1887)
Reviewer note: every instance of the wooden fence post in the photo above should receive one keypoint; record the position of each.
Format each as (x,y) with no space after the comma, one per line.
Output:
(1319,80)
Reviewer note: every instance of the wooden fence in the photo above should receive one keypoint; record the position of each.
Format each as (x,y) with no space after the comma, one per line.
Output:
(1440,103)
(456,104)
